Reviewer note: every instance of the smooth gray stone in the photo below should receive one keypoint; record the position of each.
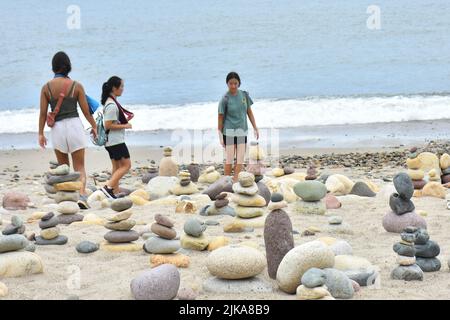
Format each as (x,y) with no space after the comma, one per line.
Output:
(16,221)
(422,236)
(159,245)
(10,229)
(193,227)
(428,264)
(362,277)
(407,273)
(361,189)
(429,250)
(314,277)
(404,186)
(87,247)
(50,189)
(399,205)
(69,218)
(339,284)
(60,240)
(121,236)
(48,216)
(276,197)
(12,242)
(120,205)
(31,247)
(73,176)
(52,222)
(404,250)
(250,285)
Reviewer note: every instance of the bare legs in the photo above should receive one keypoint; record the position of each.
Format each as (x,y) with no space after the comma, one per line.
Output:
(120,168)
(234,152)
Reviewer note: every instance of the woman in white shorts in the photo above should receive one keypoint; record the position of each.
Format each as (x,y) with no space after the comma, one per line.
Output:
(68,135)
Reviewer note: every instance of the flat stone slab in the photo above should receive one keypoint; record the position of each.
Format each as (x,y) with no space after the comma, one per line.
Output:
(59,240)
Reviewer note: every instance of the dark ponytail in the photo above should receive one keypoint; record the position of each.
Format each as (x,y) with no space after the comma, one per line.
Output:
(113,82)
(61,63)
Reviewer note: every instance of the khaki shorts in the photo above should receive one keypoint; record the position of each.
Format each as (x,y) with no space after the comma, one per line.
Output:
(68,135)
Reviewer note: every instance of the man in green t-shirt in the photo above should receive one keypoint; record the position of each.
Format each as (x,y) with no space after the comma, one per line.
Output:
(233,110)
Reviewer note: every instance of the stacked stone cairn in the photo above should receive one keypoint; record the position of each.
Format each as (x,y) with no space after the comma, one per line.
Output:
(164,242)
(194,170)
(311,173)
(313,286)
(219,207)
(311,194)
(256,157)
(64,187)
(209,176)
(194,238)
(278,238)
(426,252)
(417,176)
(15,227)
(184,186)
(249,203)
(50,233)
(402,212)
(120,224)
(152,172)
(407,269)
(444,162)
(167,166)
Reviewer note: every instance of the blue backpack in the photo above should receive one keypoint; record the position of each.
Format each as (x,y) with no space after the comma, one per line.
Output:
(102,133)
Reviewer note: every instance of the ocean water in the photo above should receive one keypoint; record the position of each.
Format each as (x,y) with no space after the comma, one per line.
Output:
(305,63)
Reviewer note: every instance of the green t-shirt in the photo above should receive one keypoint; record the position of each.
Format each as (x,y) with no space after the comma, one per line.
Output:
(235,123)
(111,113)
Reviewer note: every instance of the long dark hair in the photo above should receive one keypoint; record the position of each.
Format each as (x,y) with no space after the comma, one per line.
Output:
(233,75)
(61,63)
(113,82)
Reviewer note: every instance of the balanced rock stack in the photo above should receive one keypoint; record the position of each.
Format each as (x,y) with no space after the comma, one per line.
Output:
(278,238)
(15,227)
(313,286)
(194,239)
(407,269)
(311,173)
(426,252)
(185,185)
(219,207)
(194,170)
(167,166)
(164,242)
(152,172)
(61,184)
(210,175)
(15,258)
(49,234)
(249,203)
(417,175)
(120,224)
(444,162)
(256,157)
(311,194)
(402,212)
(423,168)
(67,187)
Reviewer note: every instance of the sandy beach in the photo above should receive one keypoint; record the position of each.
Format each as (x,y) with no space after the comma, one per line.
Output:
(107,275)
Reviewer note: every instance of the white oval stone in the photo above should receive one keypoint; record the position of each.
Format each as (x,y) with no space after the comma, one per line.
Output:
(235,262)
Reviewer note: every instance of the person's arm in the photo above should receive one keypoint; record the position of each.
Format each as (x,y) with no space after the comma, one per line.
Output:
(252,120)
(85,108)
(110,125)
(43,117)
(220,121)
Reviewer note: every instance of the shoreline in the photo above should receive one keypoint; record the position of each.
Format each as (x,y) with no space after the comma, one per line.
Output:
(373,135)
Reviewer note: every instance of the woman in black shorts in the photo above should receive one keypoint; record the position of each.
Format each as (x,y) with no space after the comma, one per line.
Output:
(115,123)
(234,107)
